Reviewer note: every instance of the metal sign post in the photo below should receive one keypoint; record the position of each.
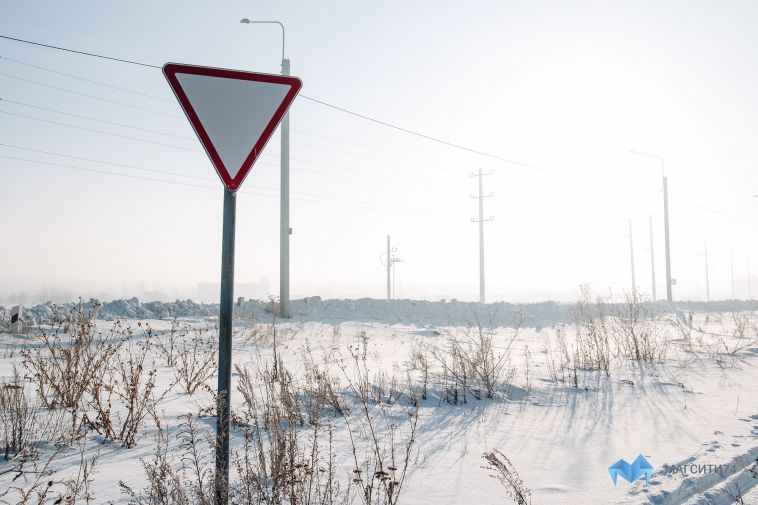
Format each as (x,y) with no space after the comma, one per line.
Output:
(234,114)
(225,346)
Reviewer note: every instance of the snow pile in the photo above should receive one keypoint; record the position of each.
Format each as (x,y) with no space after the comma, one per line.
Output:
(417,312)
(119,309)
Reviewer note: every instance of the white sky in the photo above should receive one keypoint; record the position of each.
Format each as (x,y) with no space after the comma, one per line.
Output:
(566,86)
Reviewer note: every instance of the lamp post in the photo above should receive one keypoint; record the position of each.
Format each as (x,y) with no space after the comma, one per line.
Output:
(665,219)
(284,211)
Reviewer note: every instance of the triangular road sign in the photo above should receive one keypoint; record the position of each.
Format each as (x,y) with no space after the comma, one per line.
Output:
(234,113)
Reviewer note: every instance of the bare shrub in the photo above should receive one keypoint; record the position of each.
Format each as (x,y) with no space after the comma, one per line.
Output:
(167,343)
(420,361)
(18,418)
(131,382)
(69,357)
(503,470)
(319,388)
(195,361)
(195,447)
(286,455)
(528,373)
(602,332)
(380,474)
(685,329)
(78,488)
(468,361)
(636,332)
(23,426)
(743,335)
(164,484)
(724,347)
(277,463)
(35,481)
(593,345)
(553,367)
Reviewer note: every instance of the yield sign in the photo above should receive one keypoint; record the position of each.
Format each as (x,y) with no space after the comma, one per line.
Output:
(234,113)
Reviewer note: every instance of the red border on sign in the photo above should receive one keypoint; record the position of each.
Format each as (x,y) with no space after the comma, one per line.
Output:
(171,69)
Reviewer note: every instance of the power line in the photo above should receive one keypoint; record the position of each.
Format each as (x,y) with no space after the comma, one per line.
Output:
(379,205)
(91,81)
(375,148)
(361,116)
(78,52)
(367,118)
(106,100)
(40,67)
(103,162)
(389,183)
(158,132)
(137,139)
(90,118)
(385,160)
(102,132)
(715,211)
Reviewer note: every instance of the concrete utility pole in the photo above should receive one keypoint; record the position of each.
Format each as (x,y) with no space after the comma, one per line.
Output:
(731,268)
(284,213)
(669,296)
(389,267)
(481,221)
(669,281)
(389,264)
(749,291)
(652,258)
(631,253)
(707,279)
(285,231)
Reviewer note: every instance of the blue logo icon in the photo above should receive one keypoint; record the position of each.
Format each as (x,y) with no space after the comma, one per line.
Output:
(631,472)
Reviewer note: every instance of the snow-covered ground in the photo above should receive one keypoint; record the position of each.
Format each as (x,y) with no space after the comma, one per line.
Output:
(692,411)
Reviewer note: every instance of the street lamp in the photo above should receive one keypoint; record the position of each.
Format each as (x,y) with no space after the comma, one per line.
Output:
(284,213)
(248,22)
(665,219)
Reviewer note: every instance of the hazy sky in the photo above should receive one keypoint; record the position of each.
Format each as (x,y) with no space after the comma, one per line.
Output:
(567,88)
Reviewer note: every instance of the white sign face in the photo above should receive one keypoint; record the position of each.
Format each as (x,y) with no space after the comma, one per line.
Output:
(234,113)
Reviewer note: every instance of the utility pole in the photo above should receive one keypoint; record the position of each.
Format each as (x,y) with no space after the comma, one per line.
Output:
(284,210)
(388,264)
(666,224)
(707,279)
(669,280)
(285,230)
(631,253)
(731,268)
(749,291)
(652,258)
(481,221)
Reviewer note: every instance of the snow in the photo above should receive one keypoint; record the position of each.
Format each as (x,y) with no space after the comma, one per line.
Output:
(696,408)
(417,312)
